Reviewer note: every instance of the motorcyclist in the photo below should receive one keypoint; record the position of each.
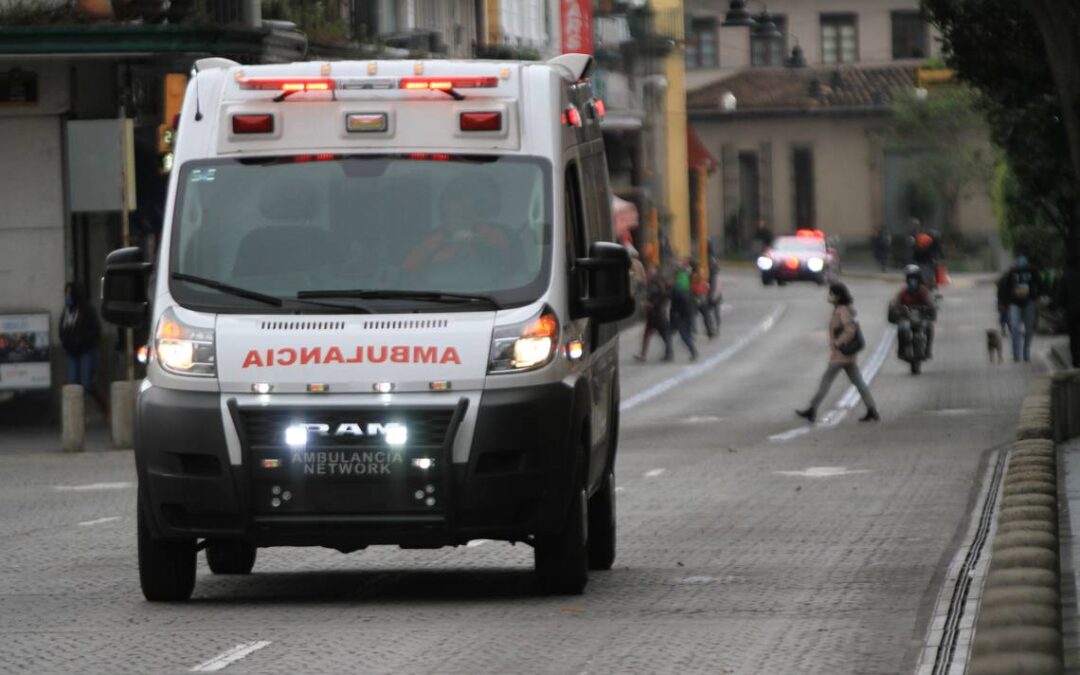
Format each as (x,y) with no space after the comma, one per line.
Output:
(915,296)
(925,250)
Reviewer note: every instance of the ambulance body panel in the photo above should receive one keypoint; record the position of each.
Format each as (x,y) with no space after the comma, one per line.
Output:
(381,314)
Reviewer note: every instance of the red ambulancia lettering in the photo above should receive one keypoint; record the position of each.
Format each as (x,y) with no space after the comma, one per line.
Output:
(425,354)
(289,356)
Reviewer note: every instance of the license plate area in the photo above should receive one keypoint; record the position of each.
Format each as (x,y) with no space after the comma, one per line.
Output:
(349,462)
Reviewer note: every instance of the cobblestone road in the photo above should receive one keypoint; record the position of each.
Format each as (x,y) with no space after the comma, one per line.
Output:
(812,553)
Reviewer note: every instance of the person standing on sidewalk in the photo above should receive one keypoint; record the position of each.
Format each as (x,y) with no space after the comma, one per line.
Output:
(656,314)
(1068,299)
(79,333)
(842,330)
(1022,290)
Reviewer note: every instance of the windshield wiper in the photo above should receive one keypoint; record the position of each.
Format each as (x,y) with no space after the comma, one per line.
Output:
(432,296)
(231,290)
(261,297)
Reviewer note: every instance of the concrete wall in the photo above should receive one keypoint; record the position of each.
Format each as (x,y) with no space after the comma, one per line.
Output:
(847,175)
(873,26)
(33,217)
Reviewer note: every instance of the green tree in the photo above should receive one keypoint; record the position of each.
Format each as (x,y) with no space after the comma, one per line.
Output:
(1025,226)
(996,47)
(945,132)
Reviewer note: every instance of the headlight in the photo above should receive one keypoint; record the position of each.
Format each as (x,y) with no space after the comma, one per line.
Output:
(184,349)
(815,264)
(764,263)
(525,345)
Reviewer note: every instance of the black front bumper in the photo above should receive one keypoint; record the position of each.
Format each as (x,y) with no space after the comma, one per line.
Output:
(516,483)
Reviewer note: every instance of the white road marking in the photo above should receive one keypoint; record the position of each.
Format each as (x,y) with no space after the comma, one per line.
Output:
(822,472)
(99,521)
(477,542)
(850,397)
(699,369)
(695,581)
(225,658)
(700,419)
(91,487)
(619,488)
(654,473)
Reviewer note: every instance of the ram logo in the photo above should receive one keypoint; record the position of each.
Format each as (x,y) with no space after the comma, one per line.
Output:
(351,429)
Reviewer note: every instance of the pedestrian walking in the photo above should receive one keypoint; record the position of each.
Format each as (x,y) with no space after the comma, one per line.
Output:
(844,343)
(79,334)
(656,314)
(682,309)
(763,236)
(1003,303)
(1022,289)
(1068,299)
(699,288)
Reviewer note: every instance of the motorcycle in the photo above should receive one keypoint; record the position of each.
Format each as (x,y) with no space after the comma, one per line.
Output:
(912,326)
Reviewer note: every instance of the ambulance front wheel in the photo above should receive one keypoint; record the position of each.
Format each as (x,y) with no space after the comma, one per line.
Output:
(230,557)
(602,525)
(166,567)
(562,559)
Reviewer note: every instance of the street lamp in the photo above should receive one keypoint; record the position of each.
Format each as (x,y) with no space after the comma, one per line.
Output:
(765,27)
(738,15)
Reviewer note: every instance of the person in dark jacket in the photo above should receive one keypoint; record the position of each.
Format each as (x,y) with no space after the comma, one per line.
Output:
(1068,299)
(79,334)
(683,310)
(656,314)
(1021,289)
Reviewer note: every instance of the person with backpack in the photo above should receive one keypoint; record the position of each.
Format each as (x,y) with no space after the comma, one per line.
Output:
(656,314)
(845,342)
(1022,288)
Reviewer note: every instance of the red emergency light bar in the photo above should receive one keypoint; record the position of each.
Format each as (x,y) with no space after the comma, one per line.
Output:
(447,83)
(810,234)
(287,84)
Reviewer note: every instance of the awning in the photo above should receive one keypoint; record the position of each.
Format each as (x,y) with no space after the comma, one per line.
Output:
(625,215)
(698,156)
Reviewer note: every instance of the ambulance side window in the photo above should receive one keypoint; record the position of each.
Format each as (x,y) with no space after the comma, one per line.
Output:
(575,231)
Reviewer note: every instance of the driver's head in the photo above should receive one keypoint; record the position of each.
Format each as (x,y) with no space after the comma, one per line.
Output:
(912,277)
(468,200)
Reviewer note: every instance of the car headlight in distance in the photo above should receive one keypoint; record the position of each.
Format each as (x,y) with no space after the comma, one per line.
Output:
(815,264)
(764,263)
(525,346)
(184,349)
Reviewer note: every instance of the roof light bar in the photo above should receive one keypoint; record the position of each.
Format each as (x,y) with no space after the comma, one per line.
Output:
(287,84)
(447,83)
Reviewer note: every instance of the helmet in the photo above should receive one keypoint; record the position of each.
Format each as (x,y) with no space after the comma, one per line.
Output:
(913,271)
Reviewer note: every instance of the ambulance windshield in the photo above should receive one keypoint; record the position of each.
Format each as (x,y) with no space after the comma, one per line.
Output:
(414,227)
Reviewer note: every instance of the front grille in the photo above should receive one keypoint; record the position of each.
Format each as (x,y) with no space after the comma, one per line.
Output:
(265,427)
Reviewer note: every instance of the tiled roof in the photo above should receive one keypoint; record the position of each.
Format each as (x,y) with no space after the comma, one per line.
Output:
(795,89)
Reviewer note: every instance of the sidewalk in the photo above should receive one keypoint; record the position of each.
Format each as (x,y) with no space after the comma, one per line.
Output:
(27,426)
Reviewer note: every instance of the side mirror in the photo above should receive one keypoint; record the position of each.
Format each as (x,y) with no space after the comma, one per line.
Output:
(607,270)
(123,289)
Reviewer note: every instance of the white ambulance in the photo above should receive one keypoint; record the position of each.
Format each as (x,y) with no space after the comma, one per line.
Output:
(382,312)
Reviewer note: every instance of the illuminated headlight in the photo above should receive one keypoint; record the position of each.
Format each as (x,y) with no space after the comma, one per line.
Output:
(396,434)
(184,349)
(764,263)
(526,345)
(296,436)
(815,264)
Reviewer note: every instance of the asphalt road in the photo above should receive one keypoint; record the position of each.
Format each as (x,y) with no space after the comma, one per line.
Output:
(748,542)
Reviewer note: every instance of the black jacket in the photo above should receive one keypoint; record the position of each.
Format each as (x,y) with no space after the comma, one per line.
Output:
(79,326)
(1021,286)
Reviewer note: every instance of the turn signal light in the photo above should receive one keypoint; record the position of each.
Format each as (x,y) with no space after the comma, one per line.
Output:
(253,124)
(599,107)
(571,117)
(481,121)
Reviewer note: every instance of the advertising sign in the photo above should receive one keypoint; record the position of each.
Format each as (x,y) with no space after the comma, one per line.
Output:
(24,351)
(577,26)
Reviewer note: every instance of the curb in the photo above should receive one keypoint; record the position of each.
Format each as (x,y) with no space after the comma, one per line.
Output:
(1018,628)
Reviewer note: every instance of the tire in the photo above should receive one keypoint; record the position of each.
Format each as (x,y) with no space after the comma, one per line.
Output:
(821,280)
(766,280)
(561,559)
(916,366)
(166,567)
(230,557)
(602,525)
